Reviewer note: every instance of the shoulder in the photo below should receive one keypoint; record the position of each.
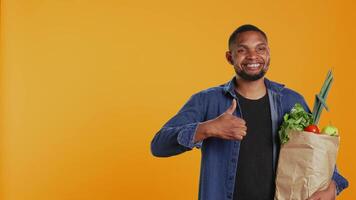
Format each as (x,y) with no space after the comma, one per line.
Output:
(289,97)
(283,90)
(211,97)
(290,93)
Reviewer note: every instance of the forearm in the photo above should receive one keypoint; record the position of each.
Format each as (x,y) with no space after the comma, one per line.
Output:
(203,131)
(177,135)
(170,141)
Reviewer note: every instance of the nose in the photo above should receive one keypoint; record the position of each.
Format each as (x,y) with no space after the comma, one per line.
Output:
(252,54)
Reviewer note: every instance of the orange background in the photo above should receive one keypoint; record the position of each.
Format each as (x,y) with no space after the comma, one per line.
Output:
(85,85)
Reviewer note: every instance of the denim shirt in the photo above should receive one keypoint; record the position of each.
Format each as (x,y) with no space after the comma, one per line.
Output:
(220,157)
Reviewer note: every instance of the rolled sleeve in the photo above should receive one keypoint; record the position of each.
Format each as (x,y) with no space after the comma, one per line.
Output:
(177,135)
(186,136)
(341,182)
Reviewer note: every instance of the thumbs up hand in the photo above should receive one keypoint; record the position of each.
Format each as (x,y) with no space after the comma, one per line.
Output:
(232,108)
(226,126)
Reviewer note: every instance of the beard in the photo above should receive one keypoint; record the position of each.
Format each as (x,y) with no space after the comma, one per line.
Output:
(249,77)
(252,77)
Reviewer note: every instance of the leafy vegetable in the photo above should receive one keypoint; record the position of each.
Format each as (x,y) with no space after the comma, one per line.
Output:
(320,99)
(297,119)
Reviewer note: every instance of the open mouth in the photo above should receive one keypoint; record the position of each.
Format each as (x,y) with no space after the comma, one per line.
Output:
(252,66)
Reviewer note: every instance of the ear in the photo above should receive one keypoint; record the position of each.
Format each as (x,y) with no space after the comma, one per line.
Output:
(228,56)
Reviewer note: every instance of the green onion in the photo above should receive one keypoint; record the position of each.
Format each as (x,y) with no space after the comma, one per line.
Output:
(320,99)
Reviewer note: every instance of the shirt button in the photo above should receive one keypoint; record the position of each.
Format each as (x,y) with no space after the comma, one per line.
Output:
(233,160)
(230,178)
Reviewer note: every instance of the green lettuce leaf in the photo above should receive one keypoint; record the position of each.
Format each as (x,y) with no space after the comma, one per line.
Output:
(297,119)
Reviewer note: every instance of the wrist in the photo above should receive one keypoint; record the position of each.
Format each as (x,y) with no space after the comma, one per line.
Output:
(203,131)
(332,188)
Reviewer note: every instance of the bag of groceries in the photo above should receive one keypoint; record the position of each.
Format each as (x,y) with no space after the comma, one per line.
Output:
(308,156)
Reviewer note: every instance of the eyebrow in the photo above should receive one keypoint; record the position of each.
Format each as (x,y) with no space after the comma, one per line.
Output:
(245,46)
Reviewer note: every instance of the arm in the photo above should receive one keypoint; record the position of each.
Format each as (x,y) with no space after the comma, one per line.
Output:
(335,187)
(186,130)
(177,135)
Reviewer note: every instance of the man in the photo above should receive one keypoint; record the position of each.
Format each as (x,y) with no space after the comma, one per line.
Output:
(236,126)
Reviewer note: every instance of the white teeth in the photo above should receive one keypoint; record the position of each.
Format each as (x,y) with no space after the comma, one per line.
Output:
(254,65)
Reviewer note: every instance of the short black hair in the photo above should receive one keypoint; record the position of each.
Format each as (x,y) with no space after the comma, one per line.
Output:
(241,29)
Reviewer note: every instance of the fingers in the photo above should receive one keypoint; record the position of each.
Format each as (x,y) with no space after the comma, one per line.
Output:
(315,196)
(233,134)
(235,130)
(233,137)
(232,108)
(240,131)
(236,134)
(238,137)
(233,120)
(238,122)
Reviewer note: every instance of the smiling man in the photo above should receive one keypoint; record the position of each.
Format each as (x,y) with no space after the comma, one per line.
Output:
(235,125)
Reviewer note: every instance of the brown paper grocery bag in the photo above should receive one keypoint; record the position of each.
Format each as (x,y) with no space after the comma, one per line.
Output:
(306,165)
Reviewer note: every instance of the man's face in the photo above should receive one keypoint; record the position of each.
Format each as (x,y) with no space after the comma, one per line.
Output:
(249,55)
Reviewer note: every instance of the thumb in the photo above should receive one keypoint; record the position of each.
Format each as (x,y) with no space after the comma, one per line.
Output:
(232,108)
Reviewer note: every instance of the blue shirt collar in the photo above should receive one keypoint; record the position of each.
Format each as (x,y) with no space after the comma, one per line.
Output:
(230,86)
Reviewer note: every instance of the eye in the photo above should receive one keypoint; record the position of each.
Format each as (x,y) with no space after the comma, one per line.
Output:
(241,50)
(261,49)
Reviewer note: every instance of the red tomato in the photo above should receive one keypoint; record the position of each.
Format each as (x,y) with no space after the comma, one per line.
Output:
(312,128)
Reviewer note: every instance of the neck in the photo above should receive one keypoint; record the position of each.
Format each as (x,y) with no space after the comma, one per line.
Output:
(251,89)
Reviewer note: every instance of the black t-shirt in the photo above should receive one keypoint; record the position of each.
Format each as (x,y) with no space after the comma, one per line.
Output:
(254,176)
